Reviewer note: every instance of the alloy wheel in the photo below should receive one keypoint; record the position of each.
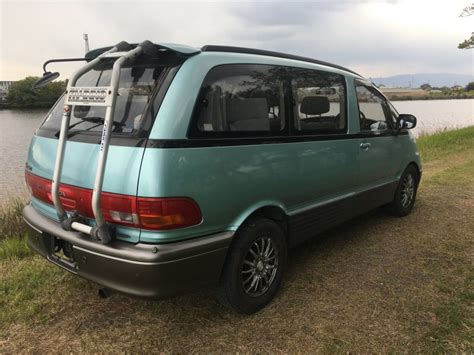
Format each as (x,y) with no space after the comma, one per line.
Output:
(408,190)
(259,267)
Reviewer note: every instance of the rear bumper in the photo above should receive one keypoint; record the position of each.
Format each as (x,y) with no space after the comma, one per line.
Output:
(147,270)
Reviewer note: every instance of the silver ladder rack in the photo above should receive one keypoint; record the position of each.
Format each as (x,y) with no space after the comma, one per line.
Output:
(93,96)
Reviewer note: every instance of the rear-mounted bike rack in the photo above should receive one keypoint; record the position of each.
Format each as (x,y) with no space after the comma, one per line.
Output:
(93,96)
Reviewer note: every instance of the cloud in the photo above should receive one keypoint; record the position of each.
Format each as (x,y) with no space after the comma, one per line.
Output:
(376,38)
(278,14)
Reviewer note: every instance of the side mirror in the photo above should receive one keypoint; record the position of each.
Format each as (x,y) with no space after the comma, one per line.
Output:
(47,77)
(406,121)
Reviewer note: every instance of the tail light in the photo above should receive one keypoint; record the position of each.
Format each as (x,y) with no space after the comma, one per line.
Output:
(168,213)
(132,211)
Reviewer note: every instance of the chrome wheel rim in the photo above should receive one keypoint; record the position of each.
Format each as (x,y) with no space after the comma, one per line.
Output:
(259,267)
(408,190)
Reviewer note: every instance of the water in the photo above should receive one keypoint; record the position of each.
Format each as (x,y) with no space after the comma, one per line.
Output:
(437,115)
(17,128)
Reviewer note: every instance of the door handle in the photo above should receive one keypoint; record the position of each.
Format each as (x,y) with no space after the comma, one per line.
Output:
(365,146)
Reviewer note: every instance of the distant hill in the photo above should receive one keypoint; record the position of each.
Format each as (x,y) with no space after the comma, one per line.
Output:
(415,80)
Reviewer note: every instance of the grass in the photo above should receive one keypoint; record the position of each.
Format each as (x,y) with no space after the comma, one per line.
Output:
(454,329)
(14,248)
(446,143)
(12,231)
(11,222)
(377,284)
(26,294)
(462,174)
(455,324)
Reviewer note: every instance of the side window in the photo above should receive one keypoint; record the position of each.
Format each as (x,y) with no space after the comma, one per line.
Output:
(374,113)
(242,98)
(393,114)
(320,101)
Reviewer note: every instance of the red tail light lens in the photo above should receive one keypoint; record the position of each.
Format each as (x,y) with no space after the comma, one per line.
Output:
(39,187)
(120,209)
(168,213)
(132,211)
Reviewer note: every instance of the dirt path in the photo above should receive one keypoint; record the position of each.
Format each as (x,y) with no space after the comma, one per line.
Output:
(375,284)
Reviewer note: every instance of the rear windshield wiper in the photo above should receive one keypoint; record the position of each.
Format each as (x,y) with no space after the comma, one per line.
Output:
(98,120)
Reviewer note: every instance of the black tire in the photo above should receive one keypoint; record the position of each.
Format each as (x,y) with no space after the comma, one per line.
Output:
(401,207)
(232,291)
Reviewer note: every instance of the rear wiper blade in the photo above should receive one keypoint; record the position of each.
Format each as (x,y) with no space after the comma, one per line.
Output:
(97,120)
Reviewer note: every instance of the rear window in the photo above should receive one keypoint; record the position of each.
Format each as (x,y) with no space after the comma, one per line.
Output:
(137,83)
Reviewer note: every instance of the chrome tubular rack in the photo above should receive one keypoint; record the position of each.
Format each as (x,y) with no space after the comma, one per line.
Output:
(93,96)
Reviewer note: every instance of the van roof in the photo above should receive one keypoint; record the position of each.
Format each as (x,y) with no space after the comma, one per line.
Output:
(187,51)
(217,48)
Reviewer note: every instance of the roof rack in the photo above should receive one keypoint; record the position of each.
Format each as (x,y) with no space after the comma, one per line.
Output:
(216,48)
(178,49)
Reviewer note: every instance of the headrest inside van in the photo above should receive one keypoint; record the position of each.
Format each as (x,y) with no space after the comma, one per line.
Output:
(247,114)
(314,105)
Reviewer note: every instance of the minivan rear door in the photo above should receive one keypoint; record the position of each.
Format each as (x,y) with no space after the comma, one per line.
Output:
(140,85)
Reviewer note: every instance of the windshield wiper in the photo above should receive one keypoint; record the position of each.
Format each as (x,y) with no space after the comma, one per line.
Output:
(98,120)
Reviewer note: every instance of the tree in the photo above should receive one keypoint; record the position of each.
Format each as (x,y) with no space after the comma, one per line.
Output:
(468,43)
(470,86)
(445,89)
(21,95)
(426,87)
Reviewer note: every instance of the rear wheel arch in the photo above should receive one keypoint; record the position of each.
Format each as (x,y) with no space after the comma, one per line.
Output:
(256,228)
(275,213)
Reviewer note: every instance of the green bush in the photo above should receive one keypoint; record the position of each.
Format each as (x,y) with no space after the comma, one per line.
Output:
(21,94)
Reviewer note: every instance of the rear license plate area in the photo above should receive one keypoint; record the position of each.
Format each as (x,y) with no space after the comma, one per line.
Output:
(62,254)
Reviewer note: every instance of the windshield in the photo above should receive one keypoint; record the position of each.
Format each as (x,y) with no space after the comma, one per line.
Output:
(136,86)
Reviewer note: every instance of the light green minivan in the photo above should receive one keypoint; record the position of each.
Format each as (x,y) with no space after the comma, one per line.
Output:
(164,168)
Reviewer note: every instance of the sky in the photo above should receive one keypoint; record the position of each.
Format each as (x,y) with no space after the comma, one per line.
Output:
(374,38)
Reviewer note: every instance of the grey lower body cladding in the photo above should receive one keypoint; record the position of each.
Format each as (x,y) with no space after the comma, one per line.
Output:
(313,221)
(146,270)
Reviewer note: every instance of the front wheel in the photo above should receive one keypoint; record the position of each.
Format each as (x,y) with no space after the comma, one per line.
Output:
(405,194)
(254,267)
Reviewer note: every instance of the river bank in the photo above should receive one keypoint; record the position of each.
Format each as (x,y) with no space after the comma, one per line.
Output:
(425,95)
(429,97)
